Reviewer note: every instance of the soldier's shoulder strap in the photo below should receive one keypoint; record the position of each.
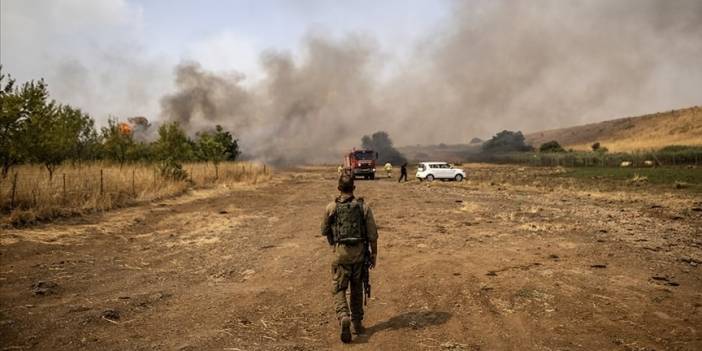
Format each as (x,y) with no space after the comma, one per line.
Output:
(361,202)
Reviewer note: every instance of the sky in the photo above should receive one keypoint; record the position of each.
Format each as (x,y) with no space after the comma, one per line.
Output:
(293,77)
(129,48)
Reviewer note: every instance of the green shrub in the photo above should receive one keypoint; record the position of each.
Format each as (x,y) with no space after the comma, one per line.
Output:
(506,141)
(172,170)
(680,148)
(551,146)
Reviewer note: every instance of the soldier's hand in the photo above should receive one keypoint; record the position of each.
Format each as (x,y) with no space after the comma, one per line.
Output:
(373,261)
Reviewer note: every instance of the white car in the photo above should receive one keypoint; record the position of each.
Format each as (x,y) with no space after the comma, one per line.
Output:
(439,170)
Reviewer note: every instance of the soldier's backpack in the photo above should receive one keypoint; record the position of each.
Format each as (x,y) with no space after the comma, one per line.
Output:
(349,223)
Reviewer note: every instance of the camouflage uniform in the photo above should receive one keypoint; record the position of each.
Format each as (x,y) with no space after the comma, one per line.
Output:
(348,262)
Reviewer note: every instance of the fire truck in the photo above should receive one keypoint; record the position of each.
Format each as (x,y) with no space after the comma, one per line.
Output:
(361,163)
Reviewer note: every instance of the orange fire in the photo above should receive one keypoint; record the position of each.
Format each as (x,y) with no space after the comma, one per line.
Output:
(125,128)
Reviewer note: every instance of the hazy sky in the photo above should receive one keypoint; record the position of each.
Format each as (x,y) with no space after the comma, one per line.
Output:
(311,74)
(129,48)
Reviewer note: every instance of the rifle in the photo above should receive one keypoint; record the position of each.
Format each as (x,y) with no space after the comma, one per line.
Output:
(365,273)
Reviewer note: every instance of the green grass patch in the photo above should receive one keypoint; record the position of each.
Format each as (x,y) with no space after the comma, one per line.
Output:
(685,178)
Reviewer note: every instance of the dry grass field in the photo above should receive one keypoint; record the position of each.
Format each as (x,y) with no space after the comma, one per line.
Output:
(654,131)
(28,194)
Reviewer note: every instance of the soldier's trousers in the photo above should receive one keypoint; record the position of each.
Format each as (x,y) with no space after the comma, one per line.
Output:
(348,276)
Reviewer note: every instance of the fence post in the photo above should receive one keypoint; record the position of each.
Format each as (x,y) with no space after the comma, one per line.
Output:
(14,191)
(133,187)
(102,186)
(64,188)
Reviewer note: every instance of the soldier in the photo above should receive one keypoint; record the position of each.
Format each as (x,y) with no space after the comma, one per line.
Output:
(350,228)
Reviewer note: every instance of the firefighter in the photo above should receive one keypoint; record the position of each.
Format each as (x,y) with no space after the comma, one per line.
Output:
(340,170)
(388,169)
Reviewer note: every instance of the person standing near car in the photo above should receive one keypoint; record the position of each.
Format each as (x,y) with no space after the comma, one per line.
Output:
(403,172)
(350,228)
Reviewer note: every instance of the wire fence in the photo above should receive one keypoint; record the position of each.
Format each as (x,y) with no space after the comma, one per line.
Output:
(99,186)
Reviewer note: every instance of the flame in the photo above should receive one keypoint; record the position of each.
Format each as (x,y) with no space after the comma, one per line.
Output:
(124,128)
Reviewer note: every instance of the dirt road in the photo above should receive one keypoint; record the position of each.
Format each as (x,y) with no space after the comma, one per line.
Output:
(503,261)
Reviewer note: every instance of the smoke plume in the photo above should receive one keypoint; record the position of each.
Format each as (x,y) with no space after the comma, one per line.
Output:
(494,65)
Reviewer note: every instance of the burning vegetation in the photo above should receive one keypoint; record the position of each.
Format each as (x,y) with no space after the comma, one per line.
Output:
(42,131)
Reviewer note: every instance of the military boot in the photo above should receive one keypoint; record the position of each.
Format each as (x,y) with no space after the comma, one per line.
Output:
(358,327)
(345,329)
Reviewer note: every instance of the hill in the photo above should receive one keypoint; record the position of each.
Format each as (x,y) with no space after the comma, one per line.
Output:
(653,131)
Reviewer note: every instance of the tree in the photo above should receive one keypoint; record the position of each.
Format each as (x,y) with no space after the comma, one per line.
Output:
(34,129)
(117,143)
(507,141)
(13,119)
(87,143)
(381,143)
(476,140)
(551,146)
(231,145)
(56,134)
(140,151)
(173,143)
(211,150)
(596,147)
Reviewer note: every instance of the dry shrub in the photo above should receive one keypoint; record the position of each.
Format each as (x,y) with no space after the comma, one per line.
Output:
(638,180)
(21,218)
(100,186)
(681,185)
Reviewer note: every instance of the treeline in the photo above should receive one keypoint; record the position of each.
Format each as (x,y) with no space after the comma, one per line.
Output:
(36,129)
(511,147)
(381,143)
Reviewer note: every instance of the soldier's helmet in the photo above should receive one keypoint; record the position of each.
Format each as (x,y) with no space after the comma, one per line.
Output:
(346,183)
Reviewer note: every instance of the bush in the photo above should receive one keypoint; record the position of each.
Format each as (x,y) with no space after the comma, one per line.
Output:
(507,141)
(172,170)
(681,148)
(551,146)
(22,218)
(679,154)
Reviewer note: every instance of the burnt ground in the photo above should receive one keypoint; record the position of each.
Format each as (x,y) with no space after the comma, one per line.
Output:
(511,259)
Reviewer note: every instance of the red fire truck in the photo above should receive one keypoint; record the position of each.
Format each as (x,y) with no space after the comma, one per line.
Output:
(361,163)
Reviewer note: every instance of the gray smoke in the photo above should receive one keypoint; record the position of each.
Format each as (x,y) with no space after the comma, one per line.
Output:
(301,112)
(495,65)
